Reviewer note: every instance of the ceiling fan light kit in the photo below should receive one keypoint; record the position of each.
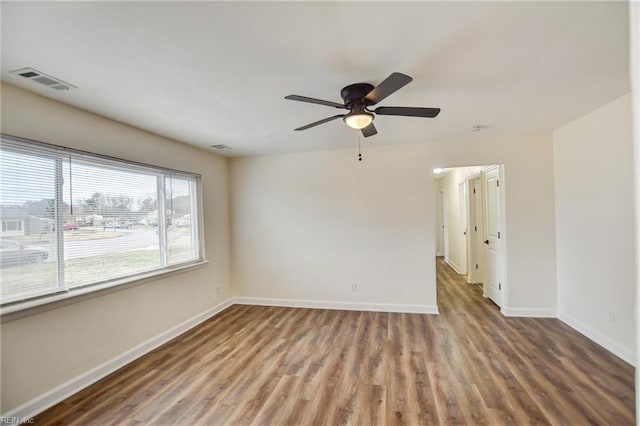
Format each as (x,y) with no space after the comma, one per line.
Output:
(358,119)
(359,97)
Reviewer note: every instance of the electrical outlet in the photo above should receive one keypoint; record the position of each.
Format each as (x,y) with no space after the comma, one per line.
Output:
(217,289)
(612,317)
(354,287)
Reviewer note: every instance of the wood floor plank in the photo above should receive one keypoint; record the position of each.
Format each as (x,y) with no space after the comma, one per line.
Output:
(285,366)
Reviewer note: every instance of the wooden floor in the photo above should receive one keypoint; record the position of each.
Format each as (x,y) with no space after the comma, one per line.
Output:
(285,366)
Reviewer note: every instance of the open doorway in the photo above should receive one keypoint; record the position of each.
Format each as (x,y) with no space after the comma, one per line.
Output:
(470,230)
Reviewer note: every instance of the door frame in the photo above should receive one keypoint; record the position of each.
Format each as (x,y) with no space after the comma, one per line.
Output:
(504,234)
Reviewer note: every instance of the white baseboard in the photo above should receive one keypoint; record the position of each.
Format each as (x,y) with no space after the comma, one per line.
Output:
(454,266)
(349,306)
(617,349)
(65,390)
(530,312)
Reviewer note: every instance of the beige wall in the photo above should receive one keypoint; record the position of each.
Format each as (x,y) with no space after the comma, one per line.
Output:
(42,351)
(306,226)
(594,220)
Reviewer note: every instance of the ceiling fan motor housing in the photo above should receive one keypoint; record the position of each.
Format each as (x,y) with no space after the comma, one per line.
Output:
(353,94)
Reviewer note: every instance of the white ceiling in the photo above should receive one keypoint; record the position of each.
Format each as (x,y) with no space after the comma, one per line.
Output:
(209,73)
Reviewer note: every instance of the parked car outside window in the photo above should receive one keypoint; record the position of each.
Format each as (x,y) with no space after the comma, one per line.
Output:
(13,254)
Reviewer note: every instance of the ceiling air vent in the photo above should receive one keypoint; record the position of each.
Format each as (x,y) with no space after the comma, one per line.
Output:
(221,147)
(42,78)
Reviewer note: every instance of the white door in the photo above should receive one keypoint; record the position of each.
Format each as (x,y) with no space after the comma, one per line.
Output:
(440,225)
(492,284)
(476,225)
(445,226)
(462,237)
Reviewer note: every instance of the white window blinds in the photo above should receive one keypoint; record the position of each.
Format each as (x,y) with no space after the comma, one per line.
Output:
(72,219)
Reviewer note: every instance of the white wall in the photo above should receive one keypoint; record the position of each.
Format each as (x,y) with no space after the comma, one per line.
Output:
(456,215)
(593,171)
(42,351)
(306,226)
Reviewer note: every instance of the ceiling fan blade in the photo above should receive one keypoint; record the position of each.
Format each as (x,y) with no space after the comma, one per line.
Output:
(370,130)
(316,123)
(389,85)
(314,101)
(408,111)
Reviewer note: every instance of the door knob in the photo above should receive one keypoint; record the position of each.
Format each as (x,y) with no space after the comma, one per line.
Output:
(486,241)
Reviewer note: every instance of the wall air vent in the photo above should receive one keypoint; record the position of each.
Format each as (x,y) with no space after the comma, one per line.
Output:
(42,78)
(221,147)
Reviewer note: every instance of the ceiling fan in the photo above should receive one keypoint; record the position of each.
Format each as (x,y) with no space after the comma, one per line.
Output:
(359,97)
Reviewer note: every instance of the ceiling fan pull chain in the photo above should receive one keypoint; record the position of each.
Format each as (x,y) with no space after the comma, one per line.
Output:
(359,150)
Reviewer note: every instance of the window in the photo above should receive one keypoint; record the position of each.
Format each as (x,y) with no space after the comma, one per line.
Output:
(11,225)
(73,220)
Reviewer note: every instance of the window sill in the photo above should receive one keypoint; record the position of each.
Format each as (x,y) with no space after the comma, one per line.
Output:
(17,310)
